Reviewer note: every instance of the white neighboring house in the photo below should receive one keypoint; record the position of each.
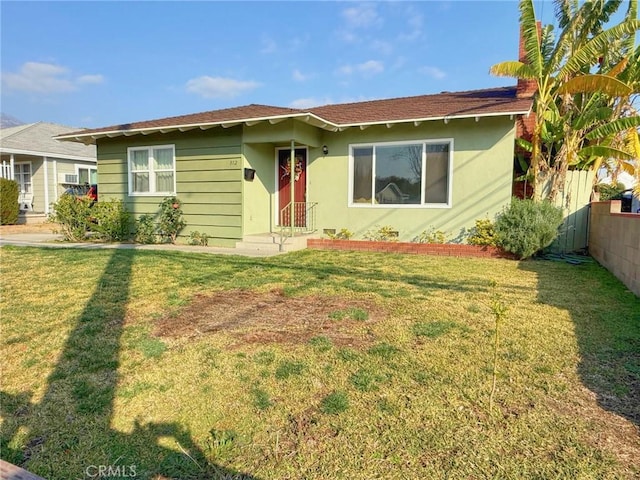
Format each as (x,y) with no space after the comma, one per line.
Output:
(43,167)
(628,181)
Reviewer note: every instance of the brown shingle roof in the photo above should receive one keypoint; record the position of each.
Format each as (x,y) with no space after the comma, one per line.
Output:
(494,101)
(445,104)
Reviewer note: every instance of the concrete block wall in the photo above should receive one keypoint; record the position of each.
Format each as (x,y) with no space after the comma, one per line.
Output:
(614,241)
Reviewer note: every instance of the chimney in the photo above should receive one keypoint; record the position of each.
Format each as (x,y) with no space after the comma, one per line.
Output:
(526,88)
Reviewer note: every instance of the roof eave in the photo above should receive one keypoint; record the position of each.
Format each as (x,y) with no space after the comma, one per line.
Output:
(307,117)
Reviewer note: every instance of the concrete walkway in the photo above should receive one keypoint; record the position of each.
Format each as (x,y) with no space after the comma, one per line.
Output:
(52,240)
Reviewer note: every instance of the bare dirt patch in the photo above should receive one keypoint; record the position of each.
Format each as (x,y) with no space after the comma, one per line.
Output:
(273,317)
(44,227)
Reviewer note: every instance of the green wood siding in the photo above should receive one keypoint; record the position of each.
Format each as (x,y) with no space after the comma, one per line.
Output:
(208,179)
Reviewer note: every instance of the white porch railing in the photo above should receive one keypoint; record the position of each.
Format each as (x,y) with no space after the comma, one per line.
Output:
(6,171)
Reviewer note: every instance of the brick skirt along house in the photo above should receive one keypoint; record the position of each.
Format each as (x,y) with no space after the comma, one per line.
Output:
(414,163)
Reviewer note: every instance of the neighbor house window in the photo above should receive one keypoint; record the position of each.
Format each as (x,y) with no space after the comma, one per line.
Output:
(152,170)
(22,175)
(87,175)
(401,174)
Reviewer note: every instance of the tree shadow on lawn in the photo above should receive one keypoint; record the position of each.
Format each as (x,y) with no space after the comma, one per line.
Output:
(606,317)
(71,425)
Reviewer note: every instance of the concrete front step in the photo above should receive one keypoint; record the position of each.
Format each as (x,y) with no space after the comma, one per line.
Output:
(270,242)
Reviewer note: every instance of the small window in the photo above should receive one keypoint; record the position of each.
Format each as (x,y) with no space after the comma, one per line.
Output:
(87,175)
(401,174)
(152,170)
(22,175)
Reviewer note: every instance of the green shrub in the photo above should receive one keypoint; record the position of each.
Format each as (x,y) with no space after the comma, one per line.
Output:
(483,233)
(73,215)
(9,208)
(112,222)
(527,227)
(197,238)
(343,234)
(382,234)
(431,236)
(170,222)
(145,229)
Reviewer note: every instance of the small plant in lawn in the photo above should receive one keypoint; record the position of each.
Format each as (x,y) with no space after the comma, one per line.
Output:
(288,368)
(221,441)
(384,350)
(261,399)
(265,357)
(343,234)
(432,329)
(197,238)
(483,233)
(151,347)
(365,380)
(334,403)
(170,221)
(431,235)
(353,313)
(499,311)
(321,343)
(145,230)
(382,234)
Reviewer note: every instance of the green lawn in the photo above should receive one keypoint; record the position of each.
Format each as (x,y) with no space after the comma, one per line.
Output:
(315,365)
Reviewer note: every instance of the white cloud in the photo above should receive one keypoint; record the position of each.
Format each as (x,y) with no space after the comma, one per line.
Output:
(298,76)
(219,87)
(90,79)
(269,45)
(361,16)
(371,67)
(385,48)
(309,102)
(415,26)
(433,72)
(45,78)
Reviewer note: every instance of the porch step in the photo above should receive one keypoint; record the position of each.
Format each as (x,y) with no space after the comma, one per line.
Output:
(270,242)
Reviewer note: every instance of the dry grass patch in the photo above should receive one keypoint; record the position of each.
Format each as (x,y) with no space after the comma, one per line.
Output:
(272,317)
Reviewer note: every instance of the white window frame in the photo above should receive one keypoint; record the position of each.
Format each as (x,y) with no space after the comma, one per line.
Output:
(85,167)
(152,177)
(20,182)
(448,204)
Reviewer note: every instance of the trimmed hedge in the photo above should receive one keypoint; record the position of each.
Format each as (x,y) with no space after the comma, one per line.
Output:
(9,208)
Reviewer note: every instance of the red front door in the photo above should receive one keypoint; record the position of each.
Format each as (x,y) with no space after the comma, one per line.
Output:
(284,187)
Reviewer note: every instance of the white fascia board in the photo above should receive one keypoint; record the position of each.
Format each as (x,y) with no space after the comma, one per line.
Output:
(417,121)
(58,156)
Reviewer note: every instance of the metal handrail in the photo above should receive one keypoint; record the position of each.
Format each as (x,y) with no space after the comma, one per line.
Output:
(304,217)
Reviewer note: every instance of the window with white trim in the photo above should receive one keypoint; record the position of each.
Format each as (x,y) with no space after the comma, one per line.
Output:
(152,170)
(22,175)
(405,174)
(87,175)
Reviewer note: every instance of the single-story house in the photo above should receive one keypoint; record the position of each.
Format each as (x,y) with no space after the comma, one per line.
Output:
(415,163)
(43,166)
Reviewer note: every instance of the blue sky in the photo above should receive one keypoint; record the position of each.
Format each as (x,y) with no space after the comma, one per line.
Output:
(92,64)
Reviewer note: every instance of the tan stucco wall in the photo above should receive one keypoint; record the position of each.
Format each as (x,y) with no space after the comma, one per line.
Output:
(614,241)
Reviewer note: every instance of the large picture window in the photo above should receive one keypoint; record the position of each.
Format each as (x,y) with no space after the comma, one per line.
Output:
(401,174)
(152,170)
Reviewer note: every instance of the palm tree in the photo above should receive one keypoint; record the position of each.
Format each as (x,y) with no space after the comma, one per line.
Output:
(570,101)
